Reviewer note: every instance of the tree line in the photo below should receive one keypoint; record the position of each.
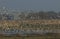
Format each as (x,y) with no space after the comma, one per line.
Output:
(30,15)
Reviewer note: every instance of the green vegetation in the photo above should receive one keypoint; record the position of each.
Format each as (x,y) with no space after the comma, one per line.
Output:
(31,37)
(6,14)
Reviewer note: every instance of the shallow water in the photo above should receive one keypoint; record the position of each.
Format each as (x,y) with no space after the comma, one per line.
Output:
(22,32)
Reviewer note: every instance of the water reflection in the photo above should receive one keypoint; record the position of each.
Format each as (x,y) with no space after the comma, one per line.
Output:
(9,32)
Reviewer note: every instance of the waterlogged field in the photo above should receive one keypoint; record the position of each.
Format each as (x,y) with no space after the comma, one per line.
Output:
(53,27)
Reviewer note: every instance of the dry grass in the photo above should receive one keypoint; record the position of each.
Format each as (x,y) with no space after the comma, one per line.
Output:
(30,24)
(18,23)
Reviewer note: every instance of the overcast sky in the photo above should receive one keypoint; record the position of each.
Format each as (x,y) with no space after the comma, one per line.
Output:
(46,5)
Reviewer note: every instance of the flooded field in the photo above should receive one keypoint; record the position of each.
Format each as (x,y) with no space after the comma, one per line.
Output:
(30,29)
